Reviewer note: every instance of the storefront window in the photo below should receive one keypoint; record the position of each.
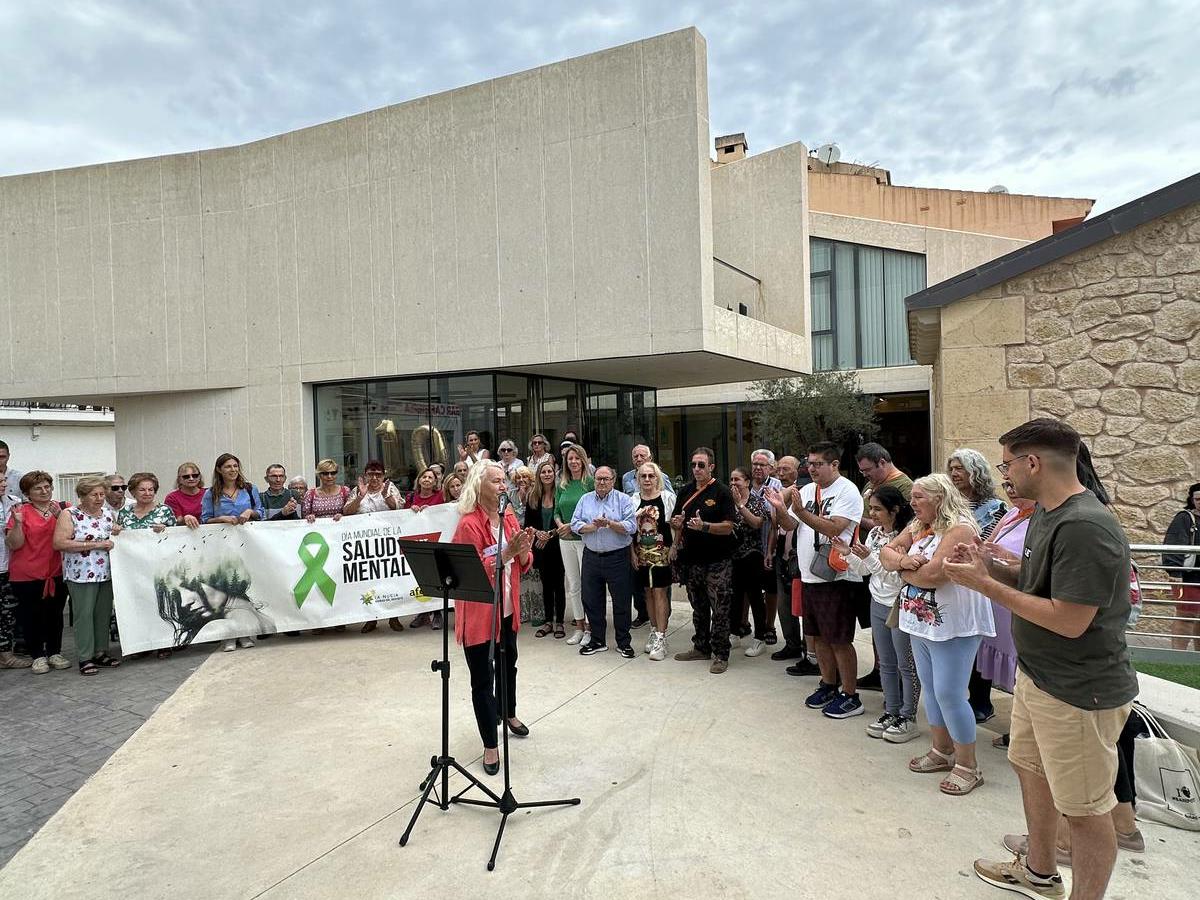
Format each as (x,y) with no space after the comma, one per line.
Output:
(341,419)
(465,403)
(560,409)
(514,410)
(398,429)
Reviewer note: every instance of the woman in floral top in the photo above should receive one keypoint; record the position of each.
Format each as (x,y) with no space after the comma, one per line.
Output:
(328,499)
(146,513)
(84,536)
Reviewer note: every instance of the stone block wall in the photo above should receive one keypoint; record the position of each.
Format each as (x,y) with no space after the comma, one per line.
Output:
(1112,346)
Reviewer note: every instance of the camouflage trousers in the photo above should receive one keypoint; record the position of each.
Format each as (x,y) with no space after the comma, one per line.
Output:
(710,591)
(8,616)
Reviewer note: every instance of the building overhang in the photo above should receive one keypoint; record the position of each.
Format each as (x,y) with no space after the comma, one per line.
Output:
(669,370)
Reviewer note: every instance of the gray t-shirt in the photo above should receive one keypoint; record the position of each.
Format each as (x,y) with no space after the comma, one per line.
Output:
(1078,553)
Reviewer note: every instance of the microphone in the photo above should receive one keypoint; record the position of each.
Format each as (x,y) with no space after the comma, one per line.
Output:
(505,500)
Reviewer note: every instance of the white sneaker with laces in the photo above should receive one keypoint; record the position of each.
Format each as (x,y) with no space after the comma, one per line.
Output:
(650,640)
(755,647)
(576,636)
(901,730)
(659,651)
(245,643)
(227,646)
(58,661)
(880,725)
(40,666)
(586,639)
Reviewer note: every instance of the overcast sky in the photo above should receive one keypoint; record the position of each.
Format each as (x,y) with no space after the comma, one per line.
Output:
(1080,98)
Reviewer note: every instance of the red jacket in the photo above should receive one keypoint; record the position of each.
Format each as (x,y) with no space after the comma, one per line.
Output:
(471,624)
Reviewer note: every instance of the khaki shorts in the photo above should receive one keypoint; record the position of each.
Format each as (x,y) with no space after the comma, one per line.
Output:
(1074,749)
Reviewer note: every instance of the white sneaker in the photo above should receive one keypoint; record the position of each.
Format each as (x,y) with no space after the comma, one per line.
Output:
(227,646)
(880,725)
(756,647)
(900,731)
(576,636)
(58,661)
(659,651)
(650,640)
(586,639)
(40,666)
(734,640)
(245,642)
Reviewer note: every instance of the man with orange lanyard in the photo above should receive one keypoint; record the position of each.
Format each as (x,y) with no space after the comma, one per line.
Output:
(828,508)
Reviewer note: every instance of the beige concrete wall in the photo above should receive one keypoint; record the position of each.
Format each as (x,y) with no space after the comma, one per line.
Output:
(1018,216)
(760,225)
(1108,340)
(554,215)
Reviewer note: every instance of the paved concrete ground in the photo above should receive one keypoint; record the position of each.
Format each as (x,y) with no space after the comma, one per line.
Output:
(291,770)
(57,729)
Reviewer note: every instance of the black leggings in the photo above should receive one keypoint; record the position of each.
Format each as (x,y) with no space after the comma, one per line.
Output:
(554,593)
(485,683)
(41,617)
(747,592)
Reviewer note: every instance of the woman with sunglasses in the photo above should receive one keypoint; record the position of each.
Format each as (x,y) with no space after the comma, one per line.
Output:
(374,493)
(651,550)
(186,499)
(539,451)
(510,460)
(328,499)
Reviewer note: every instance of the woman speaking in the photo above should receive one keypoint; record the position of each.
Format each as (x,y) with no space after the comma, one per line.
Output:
(473,628)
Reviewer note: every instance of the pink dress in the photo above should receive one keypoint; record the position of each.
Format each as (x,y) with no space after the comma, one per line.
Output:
(997,657)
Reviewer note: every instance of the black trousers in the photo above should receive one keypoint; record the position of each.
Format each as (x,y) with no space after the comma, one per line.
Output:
(485,682)
(554,592)
(41,617)
(747,593)
(614,572)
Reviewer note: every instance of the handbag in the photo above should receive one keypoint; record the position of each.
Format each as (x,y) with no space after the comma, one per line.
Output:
(893,616)
(828,562)
(798,598)
(1166,777)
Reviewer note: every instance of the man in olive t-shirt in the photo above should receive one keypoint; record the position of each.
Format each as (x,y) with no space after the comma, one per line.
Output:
(1069,595)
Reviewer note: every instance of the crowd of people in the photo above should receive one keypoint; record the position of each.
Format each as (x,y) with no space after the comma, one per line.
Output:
(964,585)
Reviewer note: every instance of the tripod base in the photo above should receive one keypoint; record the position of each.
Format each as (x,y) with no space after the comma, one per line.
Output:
(442,766)
(508,805)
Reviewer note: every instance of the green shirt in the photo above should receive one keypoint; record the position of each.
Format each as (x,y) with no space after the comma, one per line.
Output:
(899,481)
(567,498)
(1078,553)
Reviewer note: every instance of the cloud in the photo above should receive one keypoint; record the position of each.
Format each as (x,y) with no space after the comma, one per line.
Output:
(1074,99)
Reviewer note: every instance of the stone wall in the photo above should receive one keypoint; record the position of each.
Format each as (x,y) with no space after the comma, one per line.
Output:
(1112,346)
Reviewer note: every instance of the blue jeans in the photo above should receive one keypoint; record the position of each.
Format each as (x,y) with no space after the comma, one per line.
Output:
(897,670)
(945,670)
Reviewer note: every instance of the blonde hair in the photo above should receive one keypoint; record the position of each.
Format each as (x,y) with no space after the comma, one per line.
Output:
(952,507)
(327,465)
(657,474)
(188,465)
(457,479)
(564,479)
(522,470)
(470,493)
(534,500)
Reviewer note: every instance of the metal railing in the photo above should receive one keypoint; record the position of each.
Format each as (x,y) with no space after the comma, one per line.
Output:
(1166,630)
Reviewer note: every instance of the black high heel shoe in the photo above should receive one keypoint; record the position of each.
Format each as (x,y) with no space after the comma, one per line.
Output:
(491,768)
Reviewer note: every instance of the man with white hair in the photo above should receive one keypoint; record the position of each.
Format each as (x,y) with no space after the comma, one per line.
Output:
(762,476)
(642,455)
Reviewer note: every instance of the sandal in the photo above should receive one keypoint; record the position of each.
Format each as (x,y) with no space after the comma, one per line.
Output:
(933,761)
(88,668)
(961,780)
(106,661)
(544,630)
(1001,742)
(559,633)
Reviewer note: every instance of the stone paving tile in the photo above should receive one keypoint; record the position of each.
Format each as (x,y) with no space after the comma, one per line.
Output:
(58,729)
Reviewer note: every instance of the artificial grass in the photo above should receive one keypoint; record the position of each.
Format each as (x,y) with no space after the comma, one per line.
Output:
(1180,673)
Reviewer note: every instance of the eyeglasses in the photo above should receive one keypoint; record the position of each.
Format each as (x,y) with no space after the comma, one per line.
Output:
(646,475)
(371,474)
(191,476)
(819,462)
(699,465)
(327,474)
(600,478)
(117,487)
(1005,466)
(538,443)
(508,450)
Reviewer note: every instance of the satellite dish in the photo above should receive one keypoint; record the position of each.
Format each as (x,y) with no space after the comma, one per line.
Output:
(997,189)
(829,154)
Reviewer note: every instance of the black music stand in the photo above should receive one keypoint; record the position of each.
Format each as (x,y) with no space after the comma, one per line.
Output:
(440,569)
(507,804)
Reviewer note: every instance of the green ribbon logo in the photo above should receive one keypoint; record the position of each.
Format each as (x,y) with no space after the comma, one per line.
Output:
(313,551)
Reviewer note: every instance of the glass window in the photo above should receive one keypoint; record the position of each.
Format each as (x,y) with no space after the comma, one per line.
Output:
(858,316)
(514,411)
(560,409)
(399,431)
(341,417)
(464,403)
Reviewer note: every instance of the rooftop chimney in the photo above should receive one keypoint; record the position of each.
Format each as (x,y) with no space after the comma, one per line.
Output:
(731,148)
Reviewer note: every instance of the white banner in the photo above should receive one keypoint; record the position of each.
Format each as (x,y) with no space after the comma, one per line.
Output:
(226,581)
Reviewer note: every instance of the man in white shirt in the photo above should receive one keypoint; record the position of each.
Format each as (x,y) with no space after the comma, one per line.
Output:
(828,508)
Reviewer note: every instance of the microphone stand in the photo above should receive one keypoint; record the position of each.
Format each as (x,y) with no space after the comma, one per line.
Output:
(507,803)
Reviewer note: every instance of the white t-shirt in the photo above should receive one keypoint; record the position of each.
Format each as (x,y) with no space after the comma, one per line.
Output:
(373,503)
(942,613)
(840,500)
